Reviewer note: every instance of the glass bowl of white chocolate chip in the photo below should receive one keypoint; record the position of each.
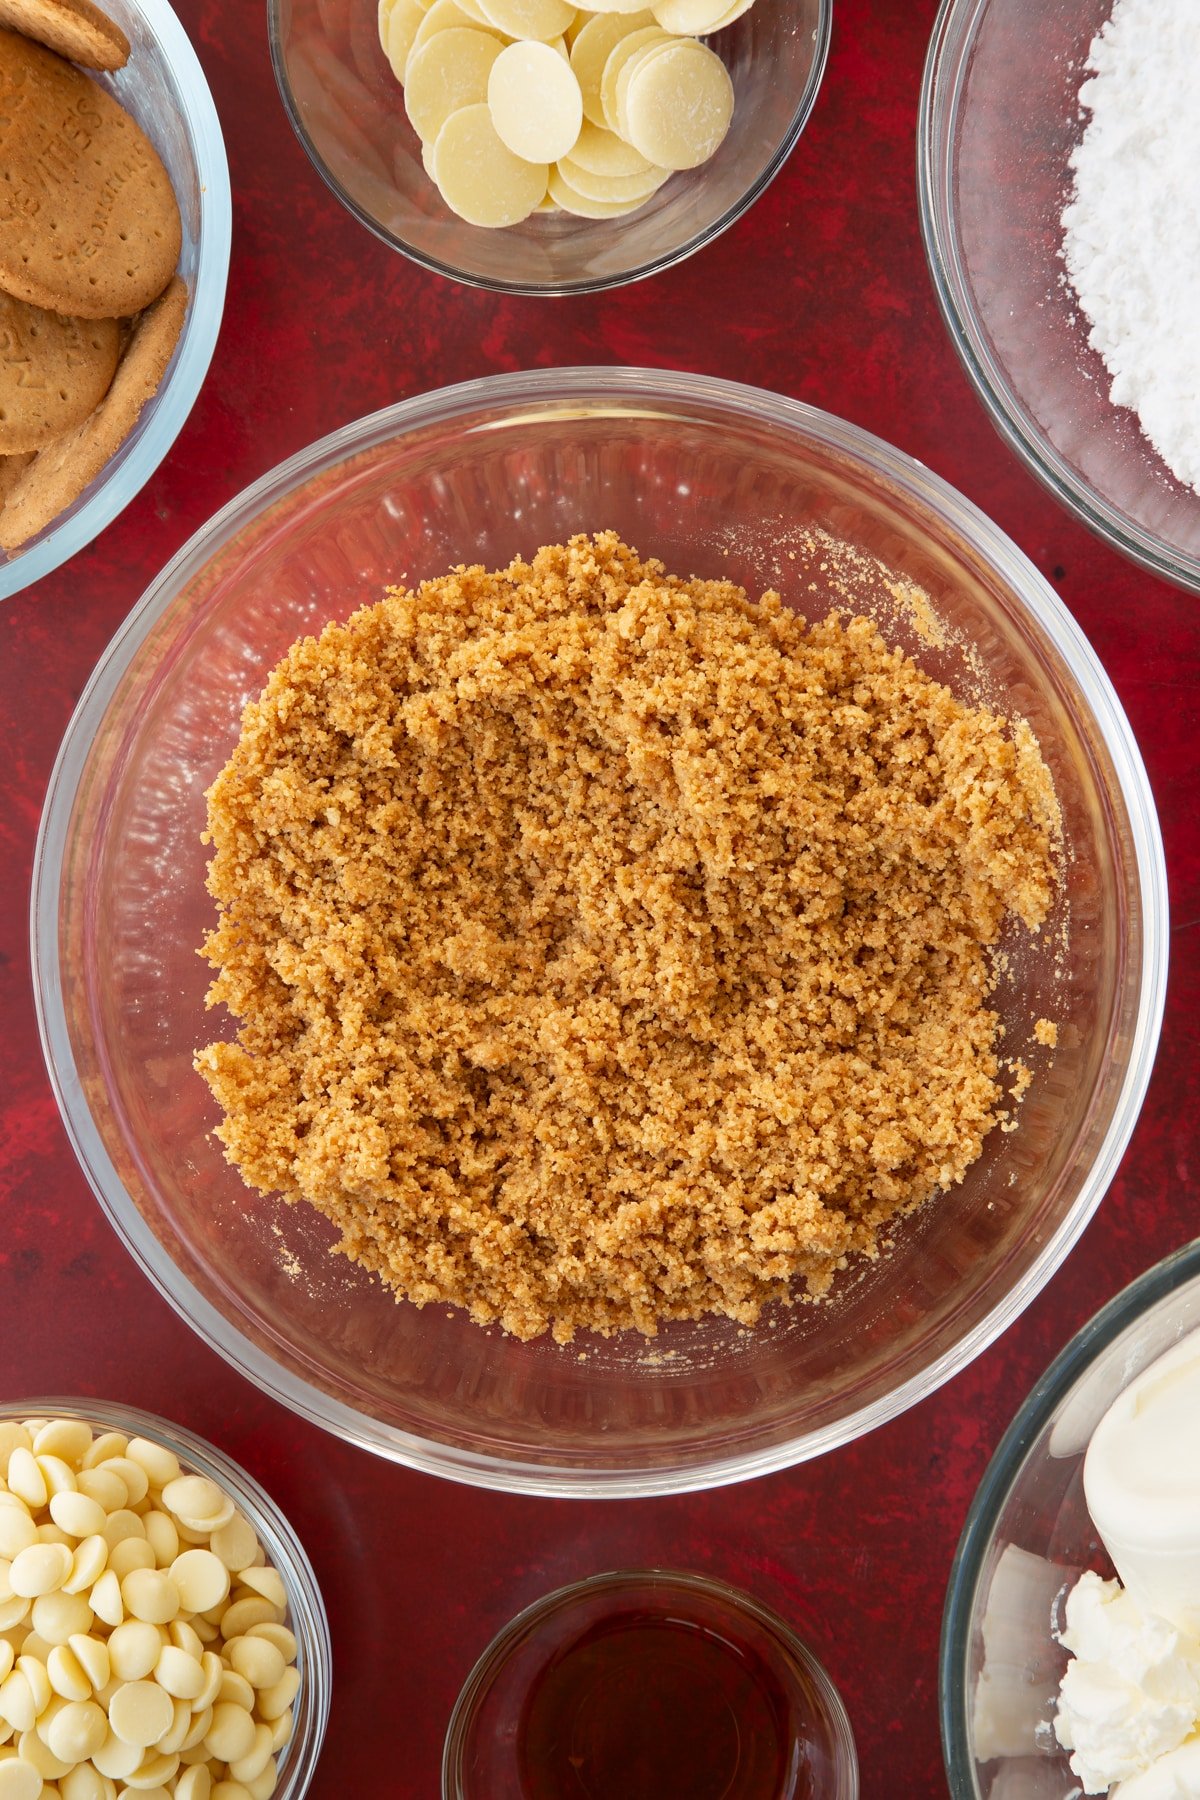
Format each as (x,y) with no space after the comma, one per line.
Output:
(161,1628)
(533,146)
(1071,1642)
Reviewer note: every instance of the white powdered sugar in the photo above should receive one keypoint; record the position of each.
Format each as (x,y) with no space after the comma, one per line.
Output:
(1132,227)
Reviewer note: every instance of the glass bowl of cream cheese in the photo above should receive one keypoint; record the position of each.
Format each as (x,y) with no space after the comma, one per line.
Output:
(1056,156)
(1070,1656)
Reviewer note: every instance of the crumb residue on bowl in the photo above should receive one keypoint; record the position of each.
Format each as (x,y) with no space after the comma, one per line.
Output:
(607,947)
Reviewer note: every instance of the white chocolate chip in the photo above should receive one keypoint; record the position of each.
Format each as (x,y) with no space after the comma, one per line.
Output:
(140,1713)
(535,102)
(39,1570)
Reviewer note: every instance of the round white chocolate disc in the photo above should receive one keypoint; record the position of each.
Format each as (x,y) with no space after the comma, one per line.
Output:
(535,102)
(403,23)
(689,18)
(628,47)
(627,189)
(479,177)
(626,74)
(443,15)
(591,47)
(602,152)
(449,72)
(678,105)
(572,201)
(544,19)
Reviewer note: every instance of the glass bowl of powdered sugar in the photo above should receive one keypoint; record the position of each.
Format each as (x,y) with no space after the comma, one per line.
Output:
(1059,143)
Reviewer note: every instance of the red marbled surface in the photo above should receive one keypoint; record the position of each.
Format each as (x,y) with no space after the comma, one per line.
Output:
(821,290)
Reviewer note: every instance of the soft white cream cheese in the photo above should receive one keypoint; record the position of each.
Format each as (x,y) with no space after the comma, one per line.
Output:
(1141,1479)
(1131,1693)
(1175,1776)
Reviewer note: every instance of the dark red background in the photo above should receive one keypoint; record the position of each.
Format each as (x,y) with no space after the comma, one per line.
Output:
(822,291)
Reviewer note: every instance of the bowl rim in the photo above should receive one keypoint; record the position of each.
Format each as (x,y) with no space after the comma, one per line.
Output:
(115,488)
(561,1599)
(571,393)
(942,92)
(309,1619)
(1001,1476)
(584,285)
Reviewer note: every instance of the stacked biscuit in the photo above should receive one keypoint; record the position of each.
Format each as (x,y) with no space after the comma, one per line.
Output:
(90,307)
(527,106)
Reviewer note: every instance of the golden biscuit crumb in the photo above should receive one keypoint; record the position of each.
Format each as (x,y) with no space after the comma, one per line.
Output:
(607,948)
(1046,1032)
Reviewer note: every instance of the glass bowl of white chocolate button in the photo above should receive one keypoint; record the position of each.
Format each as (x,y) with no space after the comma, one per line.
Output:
(536,146)
(1070,1654)
(161,1629)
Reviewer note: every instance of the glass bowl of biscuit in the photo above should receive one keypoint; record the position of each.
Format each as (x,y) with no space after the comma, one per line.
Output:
(117,335)
(580,1134)
(536,147)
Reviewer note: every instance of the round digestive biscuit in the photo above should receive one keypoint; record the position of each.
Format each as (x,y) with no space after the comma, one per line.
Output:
(446,74)
(535,102)
(75,28)
(59,474)
(591,48)
(678,105)
(53,371)
(89,225)
(481,180)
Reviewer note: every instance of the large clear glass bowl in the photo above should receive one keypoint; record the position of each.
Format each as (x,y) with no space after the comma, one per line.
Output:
(716,480)
(163,87)
(306,1618)
(348,111)
(1027,1539)
(999,118)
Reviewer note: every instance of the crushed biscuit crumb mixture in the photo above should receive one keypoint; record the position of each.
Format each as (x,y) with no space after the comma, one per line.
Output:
(607,948)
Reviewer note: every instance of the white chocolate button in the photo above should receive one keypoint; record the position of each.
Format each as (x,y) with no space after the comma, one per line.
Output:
(40,1569)
(678,105)
(117,1759)
(602,152)
(88,1563)
(57,1617)
(25,1479)
(19,1780)
(17,1531)
(162,1536)
(246,1768)
(140,1712)
(443,15)
(16,1702)
(70,1439)
(397,32)
(214,1669)
(130,1554)
(120,1525)
(572,201)
(627,190)
(543,19)
(274,1700)
(107,1489)
(105,1599)
(593,45)
(235,1544)
(150,1595)
(179,1673)
(479,178)
(76,1514)
(152,1773)
(58,1475)
(133,1650)
(268,1583)
(106,1444)
(68,1677)
(535,102)
(40,1756)
(131,1472)
(446,74)
(194,1497)
(34,1671)
(84,1783)
(279,1635)
(201,1580)
(231,1734)
(78,1731)
(690,18)
(93,1657)
(194,1784)
(260,1663)
(236,1691)
(629,47)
